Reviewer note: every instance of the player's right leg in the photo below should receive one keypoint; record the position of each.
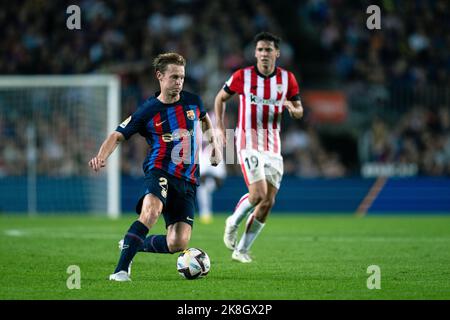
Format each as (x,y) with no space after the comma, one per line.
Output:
(256,221)
(246,204)
(252,166)
(149,207)
(134,239)
(255,224)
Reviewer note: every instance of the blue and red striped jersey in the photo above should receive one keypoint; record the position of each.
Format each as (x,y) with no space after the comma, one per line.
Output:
(172,131)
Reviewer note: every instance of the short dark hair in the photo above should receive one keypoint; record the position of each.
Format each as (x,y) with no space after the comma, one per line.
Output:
(161,62)
(267,36)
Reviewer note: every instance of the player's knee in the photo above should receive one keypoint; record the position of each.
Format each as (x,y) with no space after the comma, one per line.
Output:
(177,244)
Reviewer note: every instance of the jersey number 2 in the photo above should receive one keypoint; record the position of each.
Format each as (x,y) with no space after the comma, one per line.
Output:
(163,185)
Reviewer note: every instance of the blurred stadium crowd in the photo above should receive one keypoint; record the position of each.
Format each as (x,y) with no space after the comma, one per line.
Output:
(123,37)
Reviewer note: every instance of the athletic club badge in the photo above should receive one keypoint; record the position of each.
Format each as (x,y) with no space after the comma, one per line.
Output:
(279,88)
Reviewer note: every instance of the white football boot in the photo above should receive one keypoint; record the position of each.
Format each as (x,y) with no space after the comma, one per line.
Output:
(120,276)
(241,256)
(230,235)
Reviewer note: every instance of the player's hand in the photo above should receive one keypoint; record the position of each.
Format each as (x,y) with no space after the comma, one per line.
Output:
(216,156)
(97,163)
(296,112)
(220,136)
(289,106)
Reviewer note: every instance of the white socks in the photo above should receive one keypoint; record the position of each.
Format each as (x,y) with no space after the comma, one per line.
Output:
(240,212)
(252,230)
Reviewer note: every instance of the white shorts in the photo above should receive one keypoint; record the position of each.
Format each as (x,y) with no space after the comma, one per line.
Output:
(256,165)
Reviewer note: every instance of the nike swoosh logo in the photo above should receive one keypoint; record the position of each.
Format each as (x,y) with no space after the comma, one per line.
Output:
(160,123)
(190,219)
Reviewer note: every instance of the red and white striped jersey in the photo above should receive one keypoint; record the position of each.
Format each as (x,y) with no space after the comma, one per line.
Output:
(260,106)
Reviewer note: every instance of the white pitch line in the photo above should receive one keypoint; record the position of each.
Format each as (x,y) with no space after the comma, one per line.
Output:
(14,233)
(365,239)
(53,234)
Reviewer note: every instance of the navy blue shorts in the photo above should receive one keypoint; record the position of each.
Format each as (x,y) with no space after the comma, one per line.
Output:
(177,195)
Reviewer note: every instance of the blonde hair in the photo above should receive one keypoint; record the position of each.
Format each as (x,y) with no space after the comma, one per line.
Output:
(161,62)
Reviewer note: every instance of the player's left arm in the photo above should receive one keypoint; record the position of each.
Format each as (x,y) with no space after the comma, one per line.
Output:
(294,108)
(293,103)
(208,130)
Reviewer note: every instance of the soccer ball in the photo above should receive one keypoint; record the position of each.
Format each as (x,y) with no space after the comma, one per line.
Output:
(193,263)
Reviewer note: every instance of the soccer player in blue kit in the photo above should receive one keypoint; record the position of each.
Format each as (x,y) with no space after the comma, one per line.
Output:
(170,122)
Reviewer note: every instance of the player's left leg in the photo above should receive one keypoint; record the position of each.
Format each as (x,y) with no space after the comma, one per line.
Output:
(176,239)
(178,236)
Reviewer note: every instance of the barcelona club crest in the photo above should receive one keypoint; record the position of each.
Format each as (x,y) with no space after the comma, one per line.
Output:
(190,114)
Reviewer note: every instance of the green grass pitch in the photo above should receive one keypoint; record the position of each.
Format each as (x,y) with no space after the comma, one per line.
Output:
(296,257)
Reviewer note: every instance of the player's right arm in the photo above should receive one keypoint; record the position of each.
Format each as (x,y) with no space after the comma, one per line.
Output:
(219,109)
(133,124)
(107,147)
(234,85)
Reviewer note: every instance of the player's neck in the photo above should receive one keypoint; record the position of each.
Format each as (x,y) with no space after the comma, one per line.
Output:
(266,71)
(167,98)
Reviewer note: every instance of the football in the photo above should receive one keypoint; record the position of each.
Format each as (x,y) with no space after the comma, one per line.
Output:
(193,263)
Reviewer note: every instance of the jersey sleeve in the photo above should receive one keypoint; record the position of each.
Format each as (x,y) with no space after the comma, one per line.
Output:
(293,92)
(235,84)
(201,108)
(134,123)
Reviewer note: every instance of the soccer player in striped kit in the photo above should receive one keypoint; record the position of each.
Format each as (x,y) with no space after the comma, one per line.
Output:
(171,122)
(265,91)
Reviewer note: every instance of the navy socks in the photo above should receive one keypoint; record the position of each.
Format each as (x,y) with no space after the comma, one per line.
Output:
(155,243)
(133,241)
